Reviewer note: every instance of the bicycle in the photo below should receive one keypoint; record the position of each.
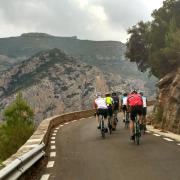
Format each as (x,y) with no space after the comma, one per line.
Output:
(115,120)
(137,131)
(126,123)
(110,124)
(102,128)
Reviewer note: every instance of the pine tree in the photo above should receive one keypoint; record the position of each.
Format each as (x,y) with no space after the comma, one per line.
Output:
(17,128)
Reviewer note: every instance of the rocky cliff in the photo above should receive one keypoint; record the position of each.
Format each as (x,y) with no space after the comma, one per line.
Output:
(167,112)
(53,82)
(108,56)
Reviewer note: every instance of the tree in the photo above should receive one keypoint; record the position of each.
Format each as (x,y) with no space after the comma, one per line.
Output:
(17,128)
(155,45)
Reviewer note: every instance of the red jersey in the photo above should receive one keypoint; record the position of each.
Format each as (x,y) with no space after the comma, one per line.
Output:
(134,100)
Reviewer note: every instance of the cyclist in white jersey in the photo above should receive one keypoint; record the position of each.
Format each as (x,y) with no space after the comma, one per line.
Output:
(101,108)
(124,105)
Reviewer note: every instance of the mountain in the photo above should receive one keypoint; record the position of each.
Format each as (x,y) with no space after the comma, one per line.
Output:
(108,56)
(53,83)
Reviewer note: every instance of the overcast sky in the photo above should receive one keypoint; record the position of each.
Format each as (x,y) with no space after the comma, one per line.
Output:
(88,19)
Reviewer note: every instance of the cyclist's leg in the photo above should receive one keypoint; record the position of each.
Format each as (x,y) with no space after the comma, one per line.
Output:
(133,114)
(98,113)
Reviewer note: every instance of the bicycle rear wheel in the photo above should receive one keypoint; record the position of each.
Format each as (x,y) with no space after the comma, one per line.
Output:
(102,129)
(137,133)
(110,127)
(126,124)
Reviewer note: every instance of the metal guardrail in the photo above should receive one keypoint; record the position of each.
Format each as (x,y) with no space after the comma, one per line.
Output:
(17,167)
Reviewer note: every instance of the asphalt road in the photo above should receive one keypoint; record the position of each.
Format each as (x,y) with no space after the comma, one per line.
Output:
(82,154)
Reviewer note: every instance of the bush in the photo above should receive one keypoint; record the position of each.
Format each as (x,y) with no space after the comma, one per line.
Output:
(17,128)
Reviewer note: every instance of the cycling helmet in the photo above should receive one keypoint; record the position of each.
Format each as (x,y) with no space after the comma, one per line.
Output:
(141,93)
(108,94)
(134,91)
(98,94)
(113,93)
(125,94)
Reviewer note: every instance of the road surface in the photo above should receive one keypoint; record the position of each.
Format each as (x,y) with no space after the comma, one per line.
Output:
(80,153)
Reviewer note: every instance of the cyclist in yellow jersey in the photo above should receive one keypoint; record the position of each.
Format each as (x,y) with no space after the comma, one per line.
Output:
(109,103)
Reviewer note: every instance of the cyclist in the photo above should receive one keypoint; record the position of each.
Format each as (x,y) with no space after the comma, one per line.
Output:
(109,103)
(144,110)
(135,103)
(101,108)
(115,107)
(124,105)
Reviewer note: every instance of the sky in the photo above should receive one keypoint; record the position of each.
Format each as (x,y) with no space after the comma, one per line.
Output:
(87,19)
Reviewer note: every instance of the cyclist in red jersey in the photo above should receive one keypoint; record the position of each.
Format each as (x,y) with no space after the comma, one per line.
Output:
(135,105)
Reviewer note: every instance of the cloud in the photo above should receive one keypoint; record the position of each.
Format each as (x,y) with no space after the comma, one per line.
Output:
(88,19)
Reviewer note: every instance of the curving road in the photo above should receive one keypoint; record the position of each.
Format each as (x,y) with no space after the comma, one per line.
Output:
(81,154)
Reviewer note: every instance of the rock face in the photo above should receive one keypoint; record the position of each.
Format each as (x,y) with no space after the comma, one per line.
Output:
(168,105)
(53,83)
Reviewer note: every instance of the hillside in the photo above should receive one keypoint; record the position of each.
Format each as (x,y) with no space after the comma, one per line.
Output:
(53,83)
(108,56)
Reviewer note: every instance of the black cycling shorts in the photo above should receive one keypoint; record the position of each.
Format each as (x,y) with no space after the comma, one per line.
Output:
(124,108)
(134,111)
(144,111)
(102,112)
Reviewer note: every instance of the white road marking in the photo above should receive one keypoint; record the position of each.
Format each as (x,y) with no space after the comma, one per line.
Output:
(168,139)
(66,123)
(61,125)
(55,131)
(157,135)
(53,147)
(53,137)
(54,134)
(50,164)
(52,154)
(57,128)
(147,131)
(45,177)
(178,144)
(52,142)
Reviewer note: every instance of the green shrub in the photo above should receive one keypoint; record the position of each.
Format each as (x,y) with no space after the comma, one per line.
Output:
(17,128)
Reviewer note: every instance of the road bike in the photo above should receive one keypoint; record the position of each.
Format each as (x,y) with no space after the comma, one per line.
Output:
(114,121)
(102,127)
(110,124)
(126,122)
(137,131)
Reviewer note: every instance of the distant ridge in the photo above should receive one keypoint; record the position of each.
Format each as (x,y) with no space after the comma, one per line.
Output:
(37,34)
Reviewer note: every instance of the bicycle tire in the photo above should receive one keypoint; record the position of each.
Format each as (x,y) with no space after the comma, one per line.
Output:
(109,126)
(102,128)
(137,132)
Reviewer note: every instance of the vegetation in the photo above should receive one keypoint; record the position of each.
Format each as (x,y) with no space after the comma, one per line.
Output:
(155,45)
(17,128)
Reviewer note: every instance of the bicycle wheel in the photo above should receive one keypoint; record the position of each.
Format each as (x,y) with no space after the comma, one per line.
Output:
(110,125)
(127,121)
(102,128)
(114,123)
(137,133)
